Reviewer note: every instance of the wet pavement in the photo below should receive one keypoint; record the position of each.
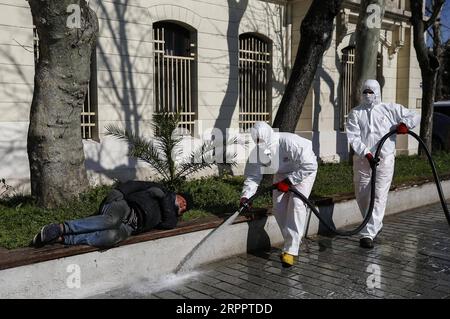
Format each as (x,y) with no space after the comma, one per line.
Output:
(411,259)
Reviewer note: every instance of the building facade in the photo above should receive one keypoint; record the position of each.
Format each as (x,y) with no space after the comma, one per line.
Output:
(222,64)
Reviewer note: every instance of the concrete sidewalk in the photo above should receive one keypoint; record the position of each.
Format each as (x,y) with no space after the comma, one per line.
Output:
(411,259)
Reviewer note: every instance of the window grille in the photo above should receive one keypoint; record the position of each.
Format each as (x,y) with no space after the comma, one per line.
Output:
(348,61)
(174,73)
(89,112)
(254,77)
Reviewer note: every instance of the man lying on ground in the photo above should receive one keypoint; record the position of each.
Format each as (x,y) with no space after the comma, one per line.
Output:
(131,208)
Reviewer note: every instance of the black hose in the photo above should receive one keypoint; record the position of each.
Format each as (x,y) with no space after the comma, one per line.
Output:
(372,191)
(435,175)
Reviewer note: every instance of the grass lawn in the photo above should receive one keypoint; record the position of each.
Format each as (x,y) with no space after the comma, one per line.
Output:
(20,219)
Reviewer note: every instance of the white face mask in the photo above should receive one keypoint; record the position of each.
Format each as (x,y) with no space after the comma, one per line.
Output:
(265,154)
(368,99)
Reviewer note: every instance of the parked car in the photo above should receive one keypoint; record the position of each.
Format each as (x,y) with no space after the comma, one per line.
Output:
(441,126)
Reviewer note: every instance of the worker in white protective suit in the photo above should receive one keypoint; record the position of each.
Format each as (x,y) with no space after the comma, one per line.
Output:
(292,160)
(366,125)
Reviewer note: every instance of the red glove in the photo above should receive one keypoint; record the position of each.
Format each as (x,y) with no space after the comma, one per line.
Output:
(283,186)
(372,160)
(244,201)
(402,128)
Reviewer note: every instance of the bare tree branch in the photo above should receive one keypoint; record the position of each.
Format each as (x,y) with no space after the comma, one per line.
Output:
(436,11)
(24,47)
(430,34)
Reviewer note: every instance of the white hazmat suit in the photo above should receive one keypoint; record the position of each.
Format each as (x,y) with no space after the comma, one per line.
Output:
(366,125)
(288,156)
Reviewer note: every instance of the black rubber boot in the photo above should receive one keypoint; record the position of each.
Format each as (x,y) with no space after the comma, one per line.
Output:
(366,242)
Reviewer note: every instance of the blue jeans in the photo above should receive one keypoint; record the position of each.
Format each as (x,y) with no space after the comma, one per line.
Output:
(104,230)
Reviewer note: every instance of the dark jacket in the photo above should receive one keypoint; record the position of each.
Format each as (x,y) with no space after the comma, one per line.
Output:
(153,204)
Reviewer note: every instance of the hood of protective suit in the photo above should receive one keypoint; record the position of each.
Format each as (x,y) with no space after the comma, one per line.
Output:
(265,139)
(263,132)
(375,87)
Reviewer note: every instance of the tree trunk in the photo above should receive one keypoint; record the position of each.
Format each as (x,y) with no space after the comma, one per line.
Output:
(55,149)
(438,52)
(446,71)
(426,121)
(429,66)
(316,33)
(367,41)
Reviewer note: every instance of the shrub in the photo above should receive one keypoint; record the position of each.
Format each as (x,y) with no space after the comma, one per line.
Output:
(213,194)
(163,150)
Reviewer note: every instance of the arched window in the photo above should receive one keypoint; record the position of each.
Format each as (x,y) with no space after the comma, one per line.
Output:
(255,97)
(174,72)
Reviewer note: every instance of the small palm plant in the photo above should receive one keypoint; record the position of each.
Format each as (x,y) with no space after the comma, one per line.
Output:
(164,153)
